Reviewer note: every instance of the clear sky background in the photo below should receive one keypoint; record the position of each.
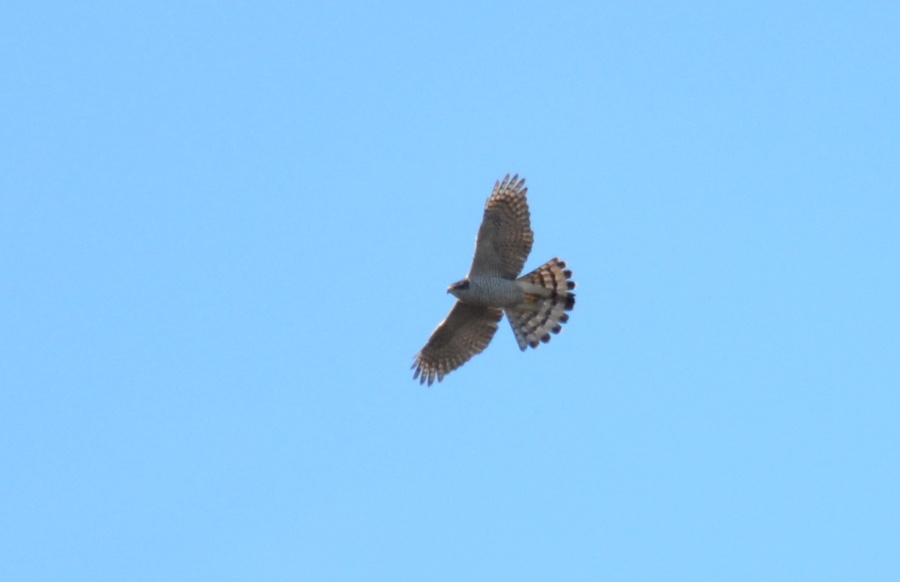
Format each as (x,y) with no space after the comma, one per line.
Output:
(227,227)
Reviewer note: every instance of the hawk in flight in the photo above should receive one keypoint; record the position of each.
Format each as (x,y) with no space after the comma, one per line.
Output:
(535,304)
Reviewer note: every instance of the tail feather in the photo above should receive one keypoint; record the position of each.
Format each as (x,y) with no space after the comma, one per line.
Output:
(545,312)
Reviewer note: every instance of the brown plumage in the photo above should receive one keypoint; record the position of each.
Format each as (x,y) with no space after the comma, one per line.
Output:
(535,304)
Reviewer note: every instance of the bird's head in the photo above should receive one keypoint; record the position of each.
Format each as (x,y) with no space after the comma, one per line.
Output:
(458,287)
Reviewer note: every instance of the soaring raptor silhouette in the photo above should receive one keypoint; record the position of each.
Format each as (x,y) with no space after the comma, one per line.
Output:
(535,304)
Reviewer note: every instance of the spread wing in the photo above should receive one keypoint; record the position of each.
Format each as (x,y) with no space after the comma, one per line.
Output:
(465,332)
(505,237)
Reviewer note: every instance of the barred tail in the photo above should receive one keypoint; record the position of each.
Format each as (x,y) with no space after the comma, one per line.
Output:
(545,308)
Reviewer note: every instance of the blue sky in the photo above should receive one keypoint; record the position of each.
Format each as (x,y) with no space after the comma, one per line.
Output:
(226,228)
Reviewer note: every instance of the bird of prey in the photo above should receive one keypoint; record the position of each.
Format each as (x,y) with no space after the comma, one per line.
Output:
(535,304)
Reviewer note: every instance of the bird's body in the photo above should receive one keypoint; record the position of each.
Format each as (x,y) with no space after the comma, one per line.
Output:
(535,304)
(489,291)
